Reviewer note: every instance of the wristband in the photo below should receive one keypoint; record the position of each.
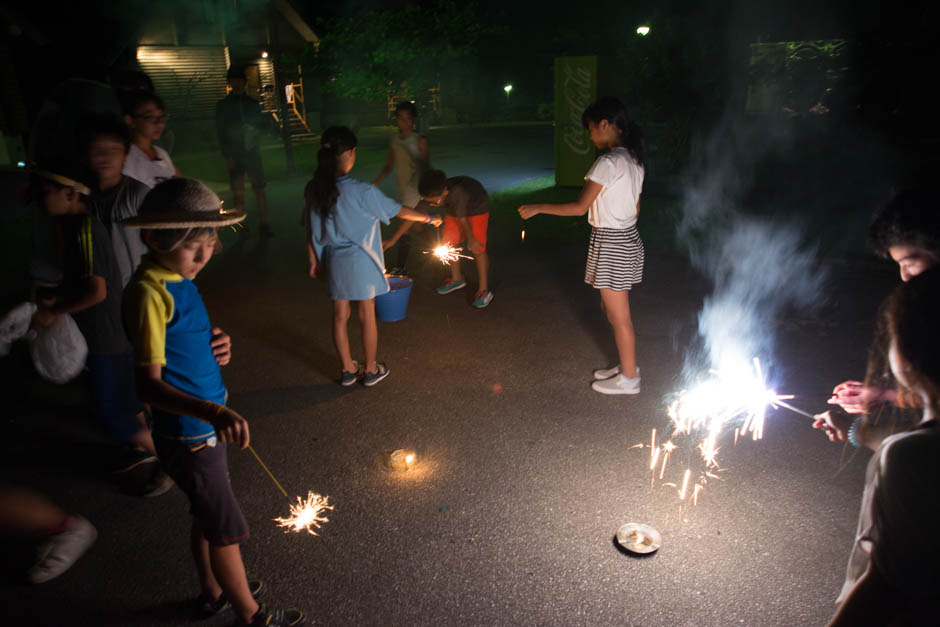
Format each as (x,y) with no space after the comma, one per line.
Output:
(899,400)
(853,433)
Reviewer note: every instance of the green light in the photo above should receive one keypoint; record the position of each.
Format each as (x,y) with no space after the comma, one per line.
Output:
(507,89)
(643,30)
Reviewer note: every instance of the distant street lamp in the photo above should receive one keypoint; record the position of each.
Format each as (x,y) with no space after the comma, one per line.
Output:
(507,89)
(643,31)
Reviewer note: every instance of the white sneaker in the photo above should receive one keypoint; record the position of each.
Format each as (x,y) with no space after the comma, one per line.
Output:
(618,384)
(606,373)
(57,554)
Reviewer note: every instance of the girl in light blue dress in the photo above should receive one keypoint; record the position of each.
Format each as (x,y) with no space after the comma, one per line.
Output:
(344,244)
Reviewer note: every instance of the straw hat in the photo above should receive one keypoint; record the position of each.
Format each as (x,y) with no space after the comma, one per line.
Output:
(180,203)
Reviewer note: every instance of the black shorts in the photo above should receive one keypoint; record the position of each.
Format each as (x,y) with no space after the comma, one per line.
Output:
(249,162)
(202,475)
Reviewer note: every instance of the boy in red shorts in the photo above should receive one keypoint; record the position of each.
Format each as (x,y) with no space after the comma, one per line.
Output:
(466,214)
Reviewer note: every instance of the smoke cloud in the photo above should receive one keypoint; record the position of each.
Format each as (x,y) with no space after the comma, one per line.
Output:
(759,265)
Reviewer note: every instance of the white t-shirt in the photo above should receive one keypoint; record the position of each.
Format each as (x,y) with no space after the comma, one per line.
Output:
(146,170)
(899,518)
(622,178)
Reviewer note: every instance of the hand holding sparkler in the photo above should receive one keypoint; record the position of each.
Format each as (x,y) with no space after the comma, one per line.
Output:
(835,425)
(230,427)
(856,398)
(528,211)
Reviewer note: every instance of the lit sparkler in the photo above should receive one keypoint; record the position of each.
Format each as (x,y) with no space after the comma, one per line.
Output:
(306,514)
(740,396)
(447,253)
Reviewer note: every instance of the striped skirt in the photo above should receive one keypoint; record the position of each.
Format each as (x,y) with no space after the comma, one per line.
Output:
(615,259)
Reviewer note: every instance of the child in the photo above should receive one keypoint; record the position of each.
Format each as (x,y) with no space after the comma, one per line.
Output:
(239,122)
(344,241)
(467,211)
(91,292)
(611,198)
(907,230)
(177,355)
(409,154)
(146,116)
(894,567)
(61,538)
(106,140)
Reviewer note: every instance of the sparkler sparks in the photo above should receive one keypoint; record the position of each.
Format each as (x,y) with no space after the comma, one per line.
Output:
(447,253)
(738,396)
(306,514)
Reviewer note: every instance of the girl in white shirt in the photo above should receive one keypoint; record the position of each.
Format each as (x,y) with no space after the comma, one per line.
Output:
(611,198)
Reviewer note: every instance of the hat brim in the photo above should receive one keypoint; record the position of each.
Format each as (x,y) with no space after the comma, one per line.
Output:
(184,220)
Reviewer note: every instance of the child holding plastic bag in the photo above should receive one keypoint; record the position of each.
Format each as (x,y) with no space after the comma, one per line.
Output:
(91,292)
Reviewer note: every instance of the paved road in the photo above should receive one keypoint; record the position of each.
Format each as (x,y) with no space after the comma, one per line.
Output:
(524,473)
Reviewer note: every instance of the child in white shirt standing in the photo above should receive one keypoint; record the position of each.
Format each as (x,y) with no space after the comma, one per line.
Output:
(611,198)
(146,116)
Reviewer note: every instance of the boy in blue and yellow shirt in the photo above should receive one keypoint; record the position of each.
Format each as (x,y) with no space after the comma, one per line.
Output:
(177,357)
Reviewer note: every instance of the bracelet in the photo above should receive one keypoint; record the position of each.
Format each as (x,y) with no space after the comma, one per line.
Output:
(427,219)
(900,402)
(853,433)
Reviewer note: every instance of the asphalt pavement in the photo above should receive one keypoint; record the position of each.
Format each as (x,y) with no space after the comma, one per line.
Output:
(523,473)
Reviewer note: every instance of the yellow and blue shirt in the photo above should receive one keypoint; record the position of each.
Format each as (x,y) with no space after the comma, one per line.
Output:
(169,326)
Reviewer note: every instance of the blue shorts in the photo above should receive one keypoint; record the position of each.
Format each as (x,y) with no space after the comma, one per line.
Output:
(114,394)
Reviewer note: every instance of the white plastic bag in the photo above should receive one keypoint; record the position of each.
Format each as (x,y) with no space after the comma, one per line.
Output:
(15,325)
(59,351)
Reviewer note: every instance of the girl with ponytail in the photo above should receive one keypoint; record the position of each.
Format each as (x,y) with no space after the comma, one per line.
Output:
(344,244)
(611,198)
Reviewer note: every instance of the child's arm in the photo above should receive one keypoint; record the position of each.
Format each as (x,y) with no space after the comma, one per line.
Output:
(407,213)
(96,290)
(577,208)
(312,260)
(424,150)
(153,390)
(472,243)
(388,168)
(403,227)
(221,344)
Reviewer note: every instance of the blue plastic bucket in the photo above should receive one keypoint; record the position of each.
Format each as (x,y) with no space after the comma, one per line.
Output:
(392,305)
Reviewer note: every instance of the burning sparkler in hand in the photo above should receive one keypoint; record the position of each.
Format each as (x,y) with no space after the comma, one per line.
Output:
(738,395)
(306,514)
(447,253)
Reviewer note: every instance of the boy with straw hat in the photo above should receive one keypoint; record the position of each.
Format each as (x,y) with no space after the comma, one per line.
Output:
(177,355)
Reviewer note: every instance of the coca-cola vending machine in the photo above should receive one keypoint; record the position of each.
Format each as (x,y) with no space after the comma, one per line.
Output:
(576,80)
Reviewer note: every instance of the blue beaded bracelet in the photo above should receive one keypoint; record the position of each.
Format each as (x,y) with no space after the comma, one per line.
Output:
(853,431)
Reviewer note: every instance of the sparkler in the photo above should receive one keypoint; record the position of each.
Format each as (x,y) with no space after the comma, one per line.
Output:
(739,396)
(447,253)
(305,514)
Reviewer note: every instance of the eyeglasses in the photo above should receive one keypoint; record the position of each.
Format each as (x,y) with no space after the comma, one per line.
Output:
(154,119)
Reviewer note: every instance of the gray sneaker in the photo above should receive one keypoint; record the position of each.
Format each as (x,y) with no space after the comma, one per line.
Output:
(606,373)
(58,552)
(350,376)
(618,384)
(371,378)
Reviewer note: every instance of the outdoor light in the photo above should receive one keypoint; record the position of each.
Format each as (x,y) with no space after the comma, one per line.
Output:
(402,459)
(21,164)
(264,54)
(507,89)
(643,30)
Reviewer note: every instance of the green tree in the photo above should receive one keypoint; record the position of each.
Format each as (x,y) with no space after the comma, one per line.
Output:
(388,52)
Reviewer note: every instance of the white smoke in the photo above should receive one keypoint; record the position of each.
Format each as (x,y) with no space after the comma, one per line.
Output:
(759,266)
